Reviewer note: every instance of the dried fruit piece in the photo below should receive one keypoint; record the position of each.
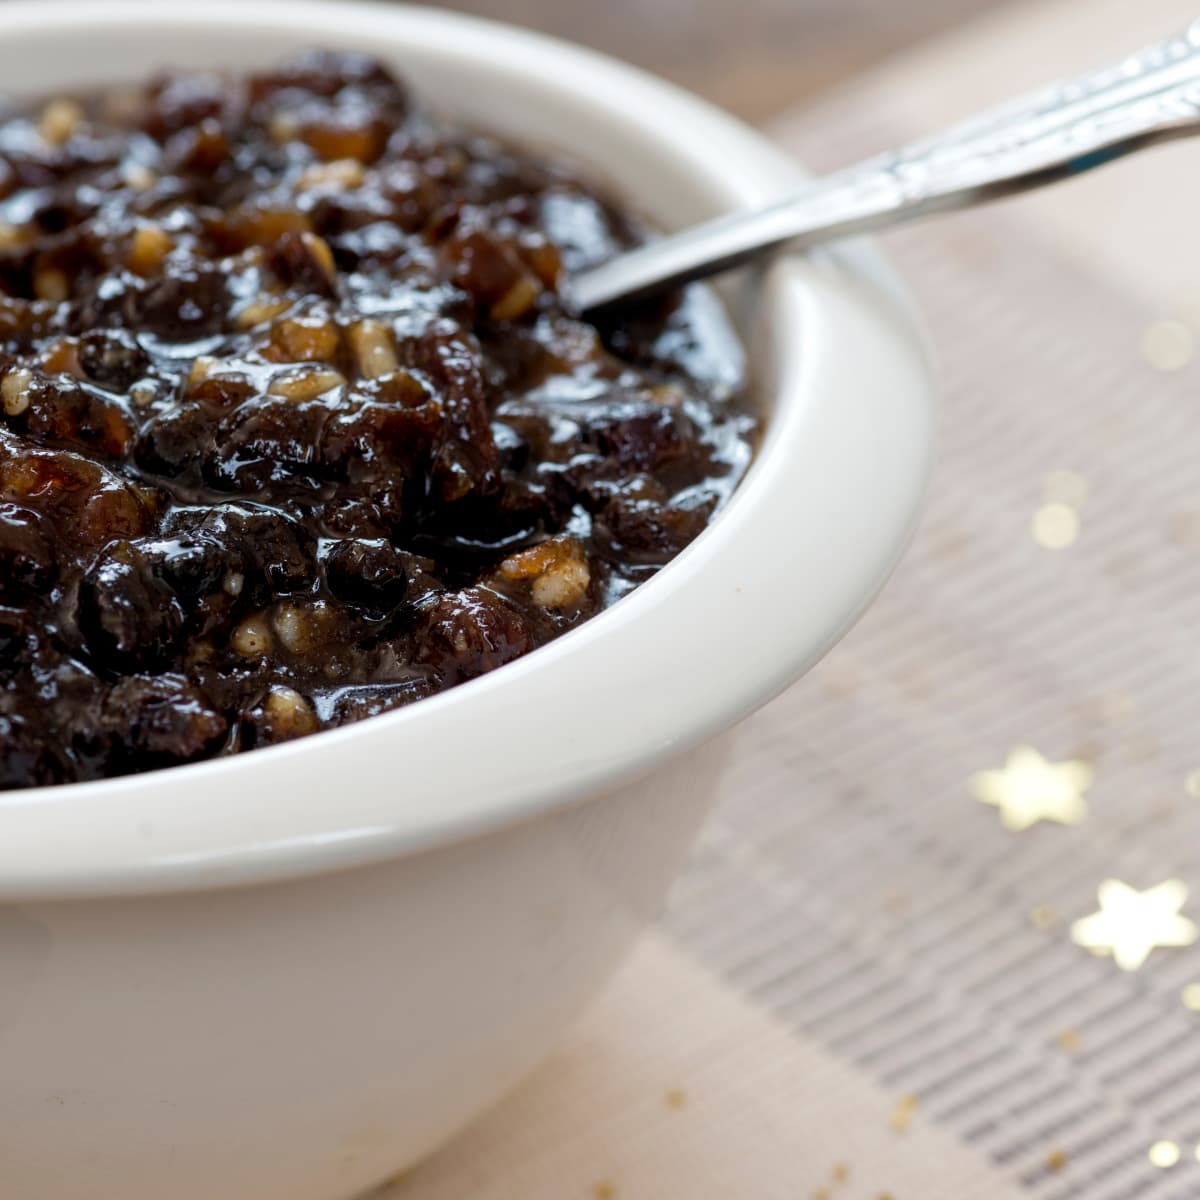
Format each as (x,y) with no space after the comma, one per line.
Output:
(303,339)
(51,283)
(149,248)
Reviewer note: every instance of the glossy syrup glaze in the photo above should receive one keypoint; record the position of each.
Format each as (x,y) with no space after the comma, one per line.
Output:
(294,425)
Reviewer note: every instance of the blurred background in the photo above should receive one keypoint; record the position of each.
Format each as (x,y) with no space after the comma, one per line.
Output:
(753,57)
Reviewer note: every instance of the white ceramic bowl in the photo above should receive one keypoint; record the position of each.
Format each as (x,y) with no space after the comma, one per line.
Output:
(286,975)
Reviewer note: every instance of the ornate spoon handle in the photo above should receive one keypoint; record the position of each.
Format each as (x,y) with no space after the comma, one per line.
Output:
(1062,131)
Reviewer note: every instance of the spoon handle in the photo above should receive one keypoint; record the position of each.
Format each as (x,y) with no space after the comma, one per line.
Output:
(1059,132)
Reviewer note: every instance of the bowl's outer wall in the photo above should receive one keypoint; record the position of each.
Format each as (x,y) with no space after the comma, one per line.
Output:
(303,1040)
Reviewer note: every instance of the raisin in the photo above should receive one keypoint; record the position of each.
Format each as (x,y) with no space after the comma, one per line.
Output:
(112,358)
(182,102)
(642,436)
(127,614)
(159,718)
(468,633)
(189,302)
(275,552)
(26,552)
(368,575)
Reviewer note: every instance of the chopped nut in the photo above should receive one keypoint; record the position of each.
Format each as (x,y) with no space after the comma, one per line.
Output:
(202,367)
(14,392)
(308,384)
(338,175)
(142,394)
(49,283)
(11,235)
(561,586)
(546,263)
(252,638)
(536,560)
(373,348)
(303,339)
(259,312)
(289,713)
(283,128)
(150,246)
(58,121)
(138,176)
(233,583)
(517,301)
(291,626)
(318,247)
(558,569)
(669,395)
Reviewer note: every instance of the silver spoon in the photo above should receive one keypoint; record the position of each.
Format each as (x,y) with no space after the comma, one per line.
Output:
(1058,133)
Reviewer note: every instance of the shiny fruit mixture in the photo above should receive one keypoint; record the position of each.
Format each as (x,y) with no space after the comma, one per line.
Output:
(295,426)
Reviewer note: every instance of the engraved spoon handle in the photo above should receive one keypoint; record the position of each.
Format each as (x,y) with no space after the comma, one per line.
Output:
(1057,133)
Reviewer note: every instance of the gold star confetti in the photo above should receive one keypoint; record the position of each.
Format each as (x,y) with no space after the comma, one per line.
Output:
(1131,923)
(1055,526)
(1168,345)
(1043,916)
(1163,1154)
(903,1113)
(841,1172)
(1029,789)
(676,1098)
(604,1191)
(1191,997)
(1056,1160)
(1070,1041)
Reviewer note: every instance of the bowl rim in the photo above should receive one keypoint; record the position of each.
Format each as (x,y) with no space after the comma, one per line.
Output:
(761,595)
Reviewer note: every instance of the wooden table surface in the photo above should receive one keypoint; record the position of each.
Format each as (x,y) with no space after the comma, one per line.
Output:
(754,57)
